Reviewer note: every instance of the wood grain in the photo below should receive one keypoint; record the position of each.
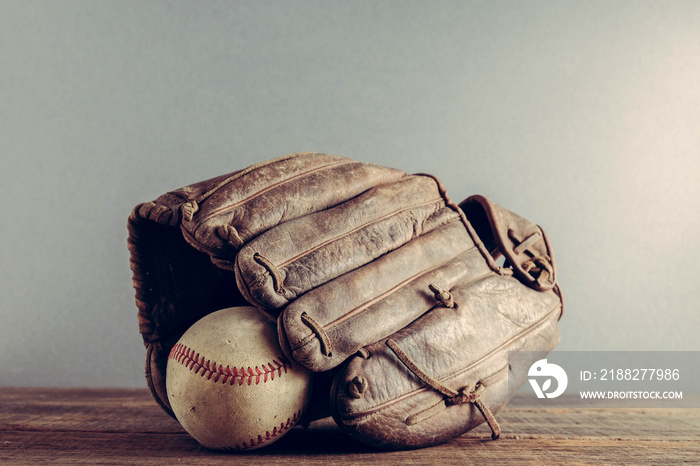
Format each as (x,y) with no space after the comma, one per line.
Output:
(109,426)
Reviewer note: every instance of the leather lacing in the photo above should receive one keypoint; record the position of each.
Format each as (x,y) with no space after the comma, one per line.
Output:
(274,272)
(540,267)
(468,394)
(229,234)
(188,210)
(320,333)
(443,297)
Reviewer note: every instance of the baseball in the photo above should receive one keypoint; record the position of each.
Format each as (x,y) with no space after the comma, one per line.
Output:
(230,385)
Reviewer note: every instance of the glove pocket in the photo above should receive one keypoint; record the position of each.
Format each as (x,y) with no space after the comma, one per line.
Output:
(448,371)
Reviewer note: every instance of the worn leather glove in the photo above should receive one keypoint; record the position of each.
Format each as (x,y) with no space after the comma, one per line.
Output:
(449,370)
(345,255)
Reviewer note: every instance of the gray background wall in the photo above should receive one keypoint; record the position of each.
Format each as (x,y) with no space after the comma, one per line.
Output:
(582,116)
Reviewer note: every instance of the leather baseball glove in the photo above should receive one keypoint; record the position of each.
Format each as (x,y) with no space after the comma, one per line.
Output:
(362,265)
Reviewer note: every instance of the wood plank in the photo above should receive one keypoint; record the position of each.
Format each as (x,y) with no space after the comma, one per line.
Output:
(108,426)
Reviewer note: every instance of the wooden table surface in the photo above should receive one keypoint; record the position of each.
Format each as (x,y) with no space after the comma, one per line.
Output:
(125,426)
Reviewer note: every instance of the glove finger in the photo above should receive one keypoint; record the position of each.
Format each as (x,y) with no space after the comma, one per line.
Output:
(235,209)
(330,323)
(432,380)
(302,254)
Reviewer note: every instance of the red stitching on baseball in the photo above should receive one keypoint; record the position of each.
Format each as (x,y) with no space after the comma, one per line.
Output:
(194,362)
(277,431)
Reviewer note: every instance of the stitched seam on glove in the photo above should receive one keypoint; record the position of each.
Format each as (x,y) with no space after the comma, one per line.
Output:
(361,227)
(468,394)
(422,415)
(245,172)
(544,320)
(230,207)
(401,285)
(470,230)
(349,315)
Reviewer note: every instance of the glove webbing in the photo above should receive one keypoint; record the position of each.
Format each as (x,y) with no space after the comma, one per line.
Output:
(452,397)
